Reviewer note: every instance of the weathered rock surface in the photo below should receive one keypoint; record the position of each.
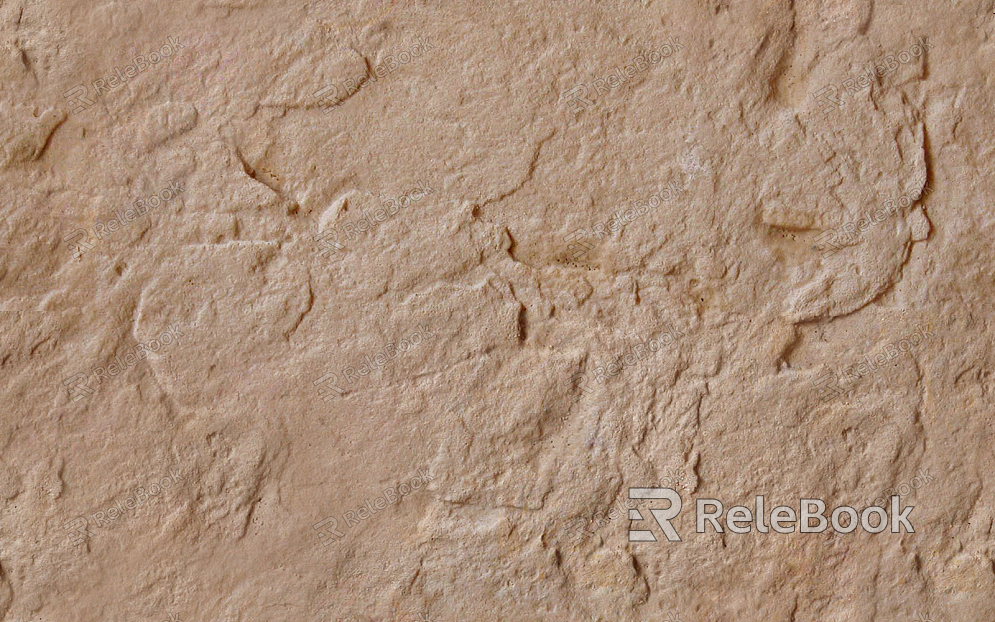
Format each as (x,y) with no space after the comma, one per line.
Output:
(376,310)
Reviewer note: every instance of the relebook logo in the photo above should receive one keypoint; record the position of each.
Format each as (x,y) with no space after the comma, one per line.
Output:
(739,519)
(78,96)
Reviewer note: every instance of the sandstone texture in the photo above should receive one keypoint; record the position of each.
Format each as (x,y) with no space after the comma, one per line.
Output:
(398,310)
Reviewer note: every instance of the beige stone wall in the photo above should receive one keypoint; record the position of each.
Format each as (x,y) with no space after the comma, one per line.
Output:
(382,311)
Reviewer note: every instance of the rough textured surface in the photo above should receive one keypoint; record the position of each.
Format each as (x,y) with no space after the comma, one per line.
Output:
(518,205)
